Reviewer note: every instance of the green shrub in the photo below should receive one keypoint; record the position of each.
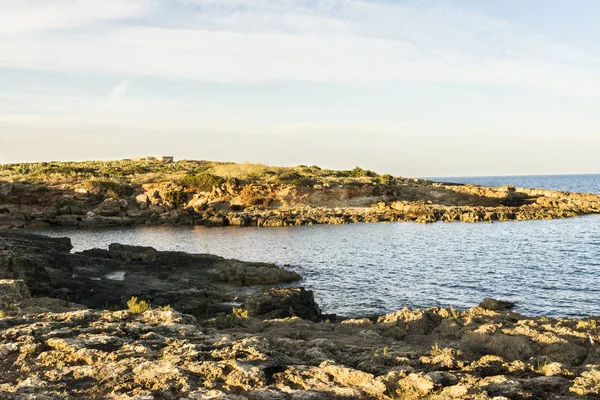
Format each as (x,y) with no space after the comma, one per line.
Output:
(2,315)
(4,210)
(239,313)
(386,179)
(358,172)
(203,182)
(109,188)
(176,197)
(136,306)
(296,179)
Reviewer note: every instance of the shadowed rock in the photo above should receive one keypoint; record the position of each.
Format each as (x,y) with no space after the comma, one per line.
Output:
(199,284)
(496,305)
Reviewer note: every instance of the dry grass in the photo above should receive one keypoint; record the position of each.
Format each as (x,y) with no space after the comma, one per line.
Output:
(136,172)
(246,170)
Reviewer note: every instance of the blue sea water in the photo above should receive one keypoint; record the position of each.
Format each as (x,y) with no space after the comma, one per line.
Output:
(547,267)
(570,183)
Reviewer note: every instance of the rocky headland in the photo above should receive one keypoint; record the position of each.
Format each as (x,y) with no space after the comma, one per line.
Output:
(126,193)
(67,332)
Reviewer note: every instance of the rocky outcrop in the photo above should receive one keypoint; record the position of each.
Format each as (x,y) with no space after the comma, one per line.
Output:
(57,340)
(283,303)
(239,203)
(70,352)
(198,284)
(496,305)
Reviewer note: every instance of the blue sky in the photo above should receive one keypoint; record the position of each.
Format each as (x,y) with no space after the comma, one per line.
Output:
(414,88)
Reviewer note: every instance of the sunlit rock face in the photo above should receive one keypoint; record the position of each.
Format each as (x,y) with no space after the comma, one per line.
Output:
(134,193)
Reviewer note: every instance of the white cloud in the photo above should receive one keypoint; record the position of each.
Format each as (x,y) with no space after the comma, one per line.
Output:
(120,90)
(352,42)
(18,17)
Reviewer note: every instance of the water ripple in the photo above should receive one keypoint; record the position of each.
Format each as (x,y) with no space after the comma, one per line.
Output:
(546,267)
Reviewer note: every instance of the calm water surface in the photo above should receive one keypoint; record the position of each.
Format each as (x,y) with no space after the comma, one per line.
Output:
(569,183)
(547,267)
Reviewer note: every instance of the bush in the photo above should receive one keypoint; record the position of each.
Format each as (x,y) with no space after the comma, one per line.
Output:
(176,197)
(296,179)
(109,188)
(4,210)
(358,172)
(239,313)
(2,315)
(386,179)
(136,306)
(203,182)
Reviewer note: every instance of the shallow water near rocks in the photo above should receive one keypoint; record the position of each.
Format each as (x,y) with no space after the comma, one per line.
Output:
(547,267)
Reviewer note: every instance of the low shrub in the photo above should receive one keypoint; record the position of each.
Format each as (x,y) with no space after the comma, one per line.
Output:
(386,179)
(203,182)
(239,313)
(136,306)
(176,197)
(2,315)
(296,179)
(358,172)
(4,210)
(108,188)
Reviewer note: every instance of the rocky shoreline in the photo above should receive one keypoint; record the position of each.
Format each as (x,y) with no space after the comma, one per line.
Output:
(235,203)
(58,340)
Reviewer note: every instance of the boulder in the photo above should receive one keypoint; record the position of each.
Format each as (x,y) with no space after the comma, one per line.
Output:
(109,208)
(12,292)
(283,303)
(142,199)
(496,305)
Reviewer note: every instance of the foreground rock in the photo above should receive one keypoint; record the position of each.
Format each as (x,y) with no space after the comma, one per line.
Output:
(198,284)
(410,354)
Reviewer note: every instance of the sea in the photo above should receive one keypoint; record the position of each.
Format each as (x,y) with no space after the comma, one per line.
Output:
(546,267)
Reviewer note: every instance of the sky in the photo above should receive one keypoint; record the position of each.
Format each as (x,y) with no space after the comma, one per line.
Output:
(412,88)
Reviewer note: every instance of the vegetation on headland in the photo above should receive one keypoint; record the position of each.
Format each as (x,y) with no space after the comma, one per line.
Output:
(133,192)
(201,175)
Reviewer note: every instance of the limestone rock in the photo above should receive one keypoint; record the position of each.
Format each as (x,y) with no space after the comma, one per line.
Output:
(109,208)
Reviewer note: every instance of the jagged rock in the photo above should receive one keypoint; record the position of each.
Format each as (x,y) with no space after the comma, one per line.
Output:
(496,305)
(109,208)
(12,292)
(282,303)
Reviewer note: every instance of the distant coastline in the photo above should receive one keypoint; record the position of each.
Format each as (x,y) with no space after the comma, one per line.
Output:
(156,190)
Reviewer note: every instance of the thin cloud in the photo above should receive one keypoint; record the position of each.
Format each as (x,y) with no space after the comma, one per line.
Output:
(334,41)
(120,90)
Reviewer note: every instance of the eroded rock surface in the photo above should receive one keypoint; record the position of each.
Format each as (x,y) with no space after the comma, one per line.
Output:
(410,354)
(262,203)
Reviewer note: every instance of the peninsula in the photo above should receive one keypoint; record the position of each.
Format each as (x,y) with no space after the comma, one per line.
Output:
(155,190)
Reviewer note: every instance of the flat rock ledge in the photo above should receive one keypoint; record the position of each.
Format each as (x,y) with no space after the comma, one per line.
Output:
(61,351)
